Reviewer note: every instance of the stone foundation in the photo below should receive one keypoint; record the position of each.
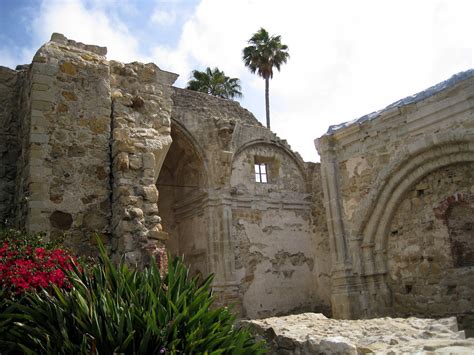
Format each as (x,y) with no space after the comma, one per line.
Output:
(311,333)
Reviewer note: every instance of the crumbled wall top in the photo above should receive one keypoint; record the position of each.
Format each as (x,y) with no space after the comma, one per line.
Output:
(61,39)
(456,78)
(148,72)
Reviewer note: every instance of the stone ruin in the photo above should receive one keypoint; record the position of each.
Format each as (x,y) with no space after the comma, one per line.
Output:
(383,226)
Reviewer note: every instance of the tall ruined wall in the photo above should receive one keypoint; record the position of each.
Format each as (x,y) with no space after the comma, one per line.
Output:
(9,126)
(430,248)
(80,158)
(98,146)
(65,143)
(258,237)
(384,177)
(321,241)
(141,139)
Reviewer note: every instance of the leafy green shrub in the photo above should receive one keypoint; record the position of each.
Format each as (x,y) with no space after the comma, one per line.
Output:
(124,311)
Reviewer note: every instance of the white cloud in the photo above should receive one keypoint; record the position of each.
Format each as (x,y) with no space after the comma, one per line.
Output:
(7,59)
(347,58)
(163,17)
(95,25)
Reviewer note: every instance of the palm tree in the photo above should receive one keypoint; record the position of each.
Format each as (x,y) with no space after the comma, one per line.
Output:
(264,53)
(215,82)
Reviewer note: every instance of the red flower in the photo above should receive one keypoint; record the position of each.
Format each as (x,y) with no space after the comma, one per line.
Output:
(27,269)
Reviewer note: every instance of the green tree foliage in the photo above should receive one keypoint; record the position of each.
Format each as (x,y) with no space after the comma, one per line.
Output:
(264,53)
(215,82)
(117,310)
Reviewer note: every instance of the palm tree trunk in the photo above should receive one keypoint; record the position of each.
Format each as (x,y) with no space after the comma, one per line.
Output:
(267,101)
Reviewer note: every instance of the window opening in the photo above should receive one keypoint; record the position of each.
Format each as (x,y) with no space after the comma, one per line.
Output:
(261,173)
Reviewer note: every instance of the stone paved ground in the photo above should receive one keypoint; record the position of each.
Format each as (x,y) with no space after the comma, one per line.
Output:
(313,333)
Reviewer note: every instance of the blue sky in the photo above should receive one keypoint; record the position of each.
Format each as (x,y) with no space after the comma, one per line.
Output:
(348,58)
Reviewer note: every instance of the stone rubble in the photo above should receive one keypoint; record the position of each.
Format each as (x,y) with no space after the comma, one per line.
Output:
(313,333)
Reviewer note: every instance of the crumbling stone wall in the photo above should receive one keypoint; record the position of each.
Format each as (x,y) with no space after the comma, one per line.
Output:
(424,275)
(321,241)
(140,140)
(371,169)
(258,236)
(9,125)
(272,228)
(82,158)
(66,142)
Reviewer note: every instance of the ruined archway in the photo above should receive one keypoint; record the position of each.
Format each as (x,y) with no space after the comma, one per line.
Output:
(182,185)
(430,244)
(393,185)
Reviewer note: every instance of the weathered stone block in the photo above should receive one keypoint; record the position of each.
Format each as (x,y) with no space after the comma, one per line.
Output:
(68,68)
(61,220)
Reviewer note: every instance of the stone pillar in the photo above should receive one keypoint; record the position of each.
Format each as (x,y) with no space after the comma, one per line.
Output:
(345,286)
(140,141)
(65,143)
(9,149)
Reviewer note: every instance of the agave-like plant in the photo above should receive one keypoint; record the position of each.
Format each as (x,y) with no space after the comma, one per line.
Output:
(118,310)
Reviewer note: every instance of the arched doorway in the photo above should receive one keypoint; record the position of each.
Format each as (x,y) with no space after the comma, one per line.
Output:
(182,185)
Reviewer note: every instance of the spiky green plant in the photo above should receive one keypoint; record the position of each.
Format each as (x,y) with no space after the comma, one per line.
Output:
(118,310)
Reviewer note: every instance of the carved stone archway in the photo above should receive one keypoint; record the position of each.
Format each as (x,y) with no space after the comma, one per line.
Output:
(182,185)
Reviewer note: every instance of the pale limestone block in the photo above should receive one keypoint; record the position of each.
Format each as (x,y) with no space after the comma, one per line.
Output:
(148,161)
(39,138)
(135,162)
(150,193)
(42,79)
(42,105)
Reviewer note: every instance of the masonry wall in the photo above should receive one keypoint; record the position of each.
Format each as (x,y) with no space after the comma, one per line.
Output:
(139,143)
(430,251)
(260,237)
(9,125)
(384,176)
(271,227)
(65,135)
(83,140)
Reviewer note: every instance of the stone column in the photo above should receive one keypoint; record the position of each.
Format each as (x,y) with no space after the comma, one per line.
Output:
(140,141)
(345,286)
(65,143)
(9,148)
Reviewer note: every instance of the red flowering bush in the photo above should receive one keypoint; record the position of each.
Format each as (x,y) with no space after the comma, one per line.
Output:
(27,264)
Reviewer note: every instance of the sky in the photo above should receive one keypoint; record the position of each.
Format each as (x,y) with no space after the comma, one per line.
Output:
(347,58)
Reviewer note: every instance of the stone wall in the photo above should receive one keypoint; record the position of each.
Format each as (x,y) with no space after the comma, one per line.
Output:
(384,176)
(9,125)
(424,276)
(65,149)
(85,140)
(140,141)
(111,148)
(256,237)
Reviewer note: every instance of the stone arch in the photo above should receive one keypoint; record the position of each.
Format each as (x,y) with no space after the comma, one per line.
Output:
(294,156)
(183,184)
(284,150)
(390,188)
(178,128)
